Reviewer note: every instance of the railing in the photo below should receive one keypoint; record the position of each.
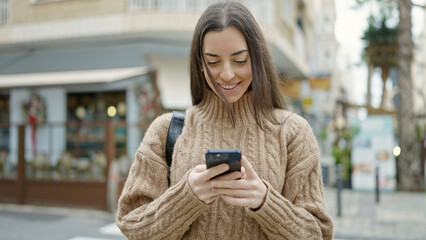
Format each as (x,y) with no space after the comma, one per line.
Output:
(168,5)
(262,10)
(4,11)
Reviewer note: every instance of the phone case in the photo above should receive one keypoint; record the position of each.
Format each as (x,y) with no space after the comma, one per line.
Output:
(232,157)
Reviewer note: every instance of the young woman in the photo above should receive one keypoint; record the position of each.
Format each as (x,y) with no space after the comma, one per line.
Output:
(278,193)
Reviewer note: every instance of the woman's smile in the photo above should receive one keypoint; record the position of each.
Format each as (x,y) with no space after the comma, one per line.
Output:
(228,87)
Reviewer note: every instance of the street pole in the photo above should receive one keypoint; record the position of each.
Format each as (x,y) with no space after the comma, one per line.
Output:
(377,185)
(339,183)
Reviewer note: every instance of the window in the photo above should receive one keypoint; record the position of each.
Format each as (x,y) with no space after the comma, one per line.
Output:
(327,25)
(4,11)
(287,11)
(95,106)
(193,4)
(86,113)
(327,57)
(300,22)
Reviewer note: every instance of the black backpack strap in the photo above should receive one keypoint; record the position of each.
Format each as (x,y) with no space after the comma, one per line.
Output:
(175,129)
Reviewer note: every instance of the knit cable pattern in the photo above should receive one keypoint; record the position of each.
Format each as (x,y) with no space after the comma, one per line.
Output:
(285,156)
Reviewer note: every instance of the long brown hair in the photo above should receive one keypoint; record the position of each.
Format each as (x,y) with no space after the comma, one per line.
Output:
(266,94)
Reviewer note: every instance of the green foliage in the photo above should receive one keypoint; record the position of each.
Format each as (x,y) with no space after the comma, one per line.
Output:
(322,134)
(386,8)
(421,131)
(378,33)
(342,150)
(381,40)
(343,156)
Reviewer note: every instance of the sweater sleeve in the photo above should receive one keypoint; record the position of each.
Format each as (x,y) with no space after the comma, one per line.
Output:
(298,212)
(148,208)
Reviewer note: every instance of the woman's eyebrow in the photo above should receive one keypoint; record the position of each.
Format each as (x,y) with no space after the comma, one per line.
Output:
(239,52)
(211,54)
(233,54)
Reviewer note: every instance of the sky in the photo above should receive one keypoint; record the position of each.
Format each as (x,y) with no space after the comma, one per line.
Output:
(349,28)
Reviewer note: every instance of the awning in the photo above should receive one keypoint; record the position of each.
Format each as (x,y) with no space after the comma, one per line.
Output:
(70,77)
(320,82)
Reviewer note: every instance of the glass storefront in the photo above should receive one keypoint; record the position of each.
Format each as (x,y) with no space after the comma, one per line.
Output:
(86,132)
(77,132)
(98,106)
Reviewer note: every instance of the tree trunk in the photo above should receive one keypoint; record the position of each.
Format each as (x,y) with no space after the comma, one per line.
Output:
(370,74)
(385,75)
(410,175)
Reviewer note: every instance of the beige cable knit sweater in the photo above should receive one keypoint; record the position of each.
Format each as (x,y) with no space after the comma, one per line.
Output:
(285,156)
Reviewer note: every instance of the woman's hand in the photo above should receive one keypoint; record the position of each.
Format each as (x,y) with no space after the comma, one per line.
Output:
(249,191)
(199,180)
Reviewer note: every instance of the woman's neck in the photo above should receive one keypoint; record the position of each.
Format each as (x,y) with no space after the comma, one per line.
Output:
(212,110)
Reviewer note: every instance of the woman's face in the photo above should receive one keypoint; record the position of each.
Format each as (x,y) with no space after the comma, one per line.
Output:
(226,55)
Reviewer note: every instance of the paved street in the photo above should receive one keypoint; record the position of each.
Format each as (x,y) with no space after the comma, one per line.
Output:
(53,223)
(398,216)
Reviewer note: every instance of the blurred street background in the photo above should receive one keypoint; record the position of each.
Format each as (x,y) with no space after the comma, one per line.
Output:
(80,82)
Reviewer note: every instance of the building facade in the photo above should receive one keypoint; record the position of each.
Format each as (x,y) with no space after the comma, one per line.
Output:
(125,61)
(322,90)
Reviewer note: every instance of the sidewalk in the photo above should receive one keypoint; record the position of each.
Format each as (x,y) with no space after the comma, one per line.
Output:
(21,222)
(397,215)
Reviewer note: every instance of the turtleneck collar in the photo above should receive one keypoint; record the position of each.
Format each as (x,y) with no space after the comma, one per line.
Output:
(213,111)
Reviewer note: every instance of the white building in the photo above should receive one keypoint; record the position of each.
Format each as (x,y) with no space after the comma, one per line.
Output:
(323,88)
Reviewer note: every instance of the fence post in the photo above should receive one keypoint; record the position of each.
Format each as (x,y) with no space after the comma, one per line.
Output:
(21,164)
(110,155)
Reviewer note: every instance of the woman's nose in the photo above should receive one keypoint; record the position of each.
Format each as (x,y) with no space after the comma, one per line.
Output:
(227,73)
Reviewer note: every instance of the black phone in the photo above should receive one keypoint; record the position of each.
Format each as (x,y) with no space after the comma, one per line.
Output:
(232,157)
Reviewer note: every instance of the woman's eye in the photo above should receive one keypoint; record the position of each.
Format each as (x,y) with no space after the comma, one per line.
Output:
(212,63)
(241,61)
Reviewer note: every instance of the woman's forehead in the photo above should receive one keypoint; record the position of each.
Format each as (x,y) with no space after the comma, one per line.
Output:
(229,40)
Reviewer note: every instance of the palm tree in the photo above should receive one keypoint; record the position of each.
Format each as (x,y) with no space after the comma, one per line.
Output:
(409,164)
(381,52)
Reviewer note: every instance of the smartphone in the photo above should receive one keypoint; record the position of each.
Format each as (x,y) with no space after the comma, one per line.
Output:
(232,157)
